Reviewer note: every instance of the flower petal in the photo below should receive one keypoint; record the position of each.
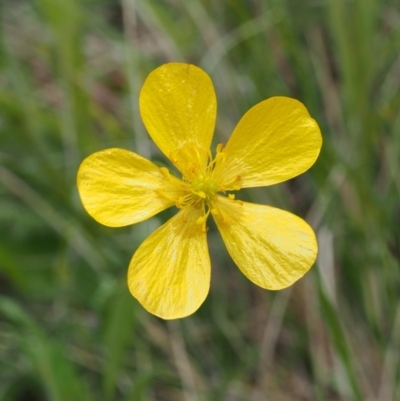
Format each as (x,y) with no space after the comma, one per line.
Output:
(274,141)
(170,272)
(178,107)
(272,247)
(118,187)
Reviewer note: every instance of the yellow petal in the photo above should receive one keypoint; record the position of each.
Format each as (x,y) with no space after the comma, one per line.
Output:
(274,141)
(178,107)
(170,272)
(118,187)
(272,247)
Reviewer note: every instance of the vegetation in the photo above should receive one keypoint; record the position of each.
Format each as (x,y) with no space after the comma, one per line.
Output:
(70,74)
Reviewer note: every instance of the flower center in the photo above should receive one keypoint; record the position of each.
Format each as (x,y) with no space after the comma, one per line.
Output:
(200,185)
(204,186)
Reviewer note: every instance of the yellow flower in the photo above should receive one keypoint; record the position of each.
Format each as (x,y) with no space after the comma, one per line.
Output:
(274,141)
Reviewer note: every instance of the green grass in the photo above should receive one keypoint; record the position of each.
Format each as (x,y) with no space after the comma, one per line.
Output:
(70,74)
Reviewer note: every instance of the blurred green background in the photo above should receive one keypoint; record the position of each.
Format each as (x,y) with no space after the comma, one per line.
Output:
(70,74)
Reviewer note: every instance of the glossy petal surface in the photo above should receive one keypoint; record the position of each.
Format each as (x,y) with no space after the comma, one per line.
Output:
(170,272)
(178,107)
(272,247)
(274,141)
(118,187)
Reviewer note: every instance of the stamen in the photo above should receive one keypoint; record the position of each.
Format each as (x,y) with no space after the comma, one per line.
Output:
(173,157)
(200,220)
(165,172)
(231,196)
(220,156)
(203,219)
(163,194)
(190,168)
(184,201)
(210,158)
(233,185)
(219,212)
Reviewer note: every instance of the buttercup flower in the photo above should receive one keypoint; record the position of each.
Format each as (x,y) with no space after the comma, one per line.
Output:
(274,141)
